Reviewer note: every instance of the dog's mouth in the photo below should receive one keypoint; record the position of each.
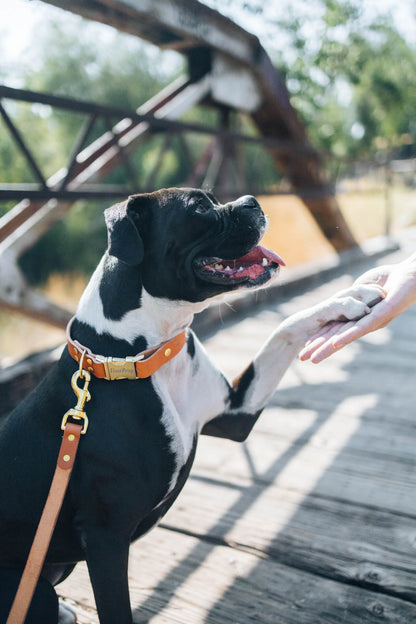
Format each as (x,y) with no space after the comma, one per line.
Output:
(255,268)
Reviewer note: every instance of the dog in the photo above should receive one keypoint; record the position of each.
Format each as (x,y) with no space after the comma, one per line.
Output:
(170,253)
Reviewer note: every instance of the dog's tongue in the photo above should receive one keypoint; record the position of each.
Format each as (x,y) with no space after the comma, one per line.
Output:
(257,254)
(253,264)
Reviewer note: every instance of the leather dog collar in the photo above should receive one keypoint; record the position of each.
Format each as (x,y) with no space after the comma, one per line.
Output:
(138,366)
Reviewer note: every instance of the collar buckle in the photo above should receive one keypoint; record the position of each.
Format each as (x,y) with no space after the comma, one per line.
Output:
(119,368)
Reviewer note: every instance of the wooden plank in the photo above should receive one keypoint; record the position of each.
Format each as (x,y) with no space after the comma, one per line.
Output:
(354,544)
(388,440)
(331,470)
(177,579)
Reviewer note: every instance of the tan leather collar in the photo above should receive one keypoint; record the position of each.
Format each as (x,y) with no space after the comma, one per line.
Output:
(137,366)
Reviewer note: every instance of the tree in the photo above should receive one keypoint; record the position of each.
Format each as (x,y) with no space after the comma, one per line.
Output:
(352,79)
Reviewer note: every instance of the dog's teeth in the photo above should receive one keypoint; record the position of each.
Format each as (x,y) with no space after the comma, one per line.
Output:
(218,267)
(240,269)
(227,268)
(265,263)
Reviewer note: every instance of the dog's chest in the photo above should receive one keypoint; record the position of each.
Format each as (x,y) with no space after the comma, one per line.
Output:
(191,391)
(179,416)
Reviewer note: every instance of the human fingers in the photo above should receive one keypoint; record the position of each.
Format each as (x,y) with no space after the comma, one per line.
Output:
(350,332)
(377,276)
(318,339)
(323,347)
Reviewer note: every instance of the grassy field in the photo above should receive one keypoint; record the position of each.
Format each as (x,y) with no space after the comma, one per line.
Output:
(292,232)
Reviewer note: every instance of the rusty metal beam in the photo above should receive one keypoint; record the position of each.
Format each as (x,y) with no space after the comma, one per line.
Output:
(182,25)
(242,77)
(88,191)
(303,170)
(61,185)
(23,147)
(90,162)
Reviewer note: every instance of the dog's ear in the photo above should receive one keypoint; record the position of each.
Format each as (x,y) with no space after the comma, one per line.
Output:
(124,239)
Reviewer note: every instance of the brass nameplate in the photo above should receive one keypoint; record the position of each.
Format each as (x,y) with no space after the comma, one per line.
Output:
(119,369)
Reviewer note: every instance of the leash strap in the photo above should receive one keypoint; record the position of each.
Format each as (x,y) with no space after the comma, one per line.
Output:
(47,524)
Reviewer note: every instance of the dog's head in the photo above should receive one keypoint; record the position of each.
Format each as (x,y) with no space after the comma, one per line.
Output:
(189,247)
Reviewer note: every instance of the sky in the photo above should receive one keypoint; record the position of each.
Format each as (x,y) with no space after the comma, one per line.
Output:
(20,20)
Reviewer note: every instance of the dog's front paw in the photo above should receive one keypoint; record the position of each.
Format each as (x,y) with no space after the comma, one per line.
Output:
(353,303)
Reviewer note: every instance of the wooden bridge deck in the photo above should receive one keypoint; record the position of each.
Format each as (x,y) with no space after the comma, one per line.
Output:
(313,520)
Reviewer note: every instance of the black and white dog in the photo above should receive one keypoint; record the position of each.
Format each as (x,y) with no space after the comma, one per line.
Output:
(170,253)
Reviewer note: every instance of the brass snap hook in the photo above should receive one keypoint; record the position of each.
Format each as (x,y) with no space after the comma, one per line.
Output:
(82,395)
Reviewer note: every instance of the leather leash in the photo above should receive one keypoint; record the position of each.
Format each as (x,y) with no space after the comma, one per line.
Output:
(138,367)
(60,481)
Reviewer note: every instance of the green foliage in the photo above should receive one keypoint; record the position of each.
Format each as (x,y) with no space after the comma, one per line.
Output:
(355,84)
(74,245)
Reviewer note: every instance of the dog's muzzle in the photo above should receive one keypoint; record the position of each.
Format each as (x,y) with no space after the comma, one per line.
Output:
(252,269)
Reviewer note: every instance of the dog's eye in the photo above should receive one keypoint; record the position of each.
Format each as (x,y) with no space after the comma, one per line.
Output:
(201,209)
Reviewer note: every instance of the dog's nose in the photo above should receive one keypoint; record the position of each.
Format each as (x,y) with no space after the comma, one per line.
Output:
(248,201)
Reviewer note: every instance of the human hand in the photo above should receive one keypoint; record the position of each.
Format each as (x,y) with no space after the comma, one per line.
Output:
(399,284)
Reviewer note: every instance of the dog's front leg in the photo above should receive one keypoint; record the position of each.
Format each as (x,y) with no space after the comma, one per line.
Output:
(250,392)
(107,559)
